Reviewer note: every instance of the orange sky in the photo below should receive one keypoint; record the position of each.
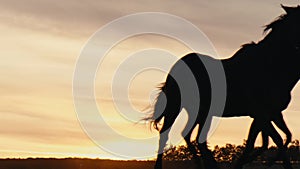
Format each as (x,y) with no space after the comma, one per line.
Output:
(41,41)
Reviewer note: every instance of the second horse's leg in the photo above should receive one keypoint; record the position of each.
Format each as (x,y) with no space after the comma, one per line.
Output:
(280,123)
(279,142)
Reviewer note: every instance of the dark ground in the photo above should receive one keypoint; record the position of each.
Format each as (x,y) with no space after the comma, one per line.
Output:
(75,163)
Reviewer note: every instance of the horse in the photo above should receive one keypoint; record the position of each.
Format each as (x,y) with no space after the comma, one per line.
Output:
(259,80)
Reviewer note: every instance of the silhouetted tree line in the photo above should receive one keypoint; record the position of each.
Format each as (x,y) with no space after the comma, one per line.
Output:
(230,152)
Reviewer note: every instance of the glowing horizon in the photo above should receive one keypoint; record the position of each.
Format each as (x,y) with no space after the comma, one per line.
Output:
(41,43)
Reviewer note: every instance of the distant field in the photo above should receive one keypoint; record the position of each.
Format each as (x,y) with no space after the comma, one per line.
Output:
(71,163)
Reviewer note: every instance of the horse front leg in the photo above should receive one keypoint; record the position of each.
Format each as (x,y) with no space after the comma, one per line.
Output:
(264,147)
(279,143)
(265,140)
(280,123)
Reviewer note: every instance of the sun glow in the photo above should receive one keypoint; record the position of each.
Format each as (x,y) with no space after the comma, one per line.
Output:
(40,43)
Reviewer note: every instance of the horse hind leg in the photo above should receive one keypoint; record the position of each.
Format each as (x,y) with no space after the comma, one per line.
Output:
(206,154)
(256,127)
(163,138)
(169,119)
(187,137)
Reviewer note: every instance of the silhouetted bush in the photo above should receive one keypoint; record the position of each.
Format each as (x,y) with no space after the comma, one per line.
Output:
(230,152)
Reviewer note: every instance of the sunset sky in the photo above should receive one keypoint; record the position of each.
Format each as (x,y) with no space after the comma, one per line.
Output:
(41,41)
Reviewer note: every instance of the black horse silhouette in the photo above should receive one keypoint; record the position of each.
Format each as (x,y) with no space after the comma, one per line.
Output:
(259,78)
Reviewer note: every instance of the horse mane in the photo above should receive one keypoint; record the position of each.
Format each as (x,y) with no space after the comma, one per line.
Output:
(276,23)
(281,20)
(245,50)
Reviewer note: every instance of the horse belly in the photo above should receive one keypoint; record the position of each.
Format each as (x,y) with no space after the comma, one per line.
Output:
(236,105)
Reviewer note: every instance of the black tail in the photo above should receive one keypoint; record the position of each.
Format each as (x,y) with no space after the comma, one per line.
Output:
(167,103)
(159,107)
(158,110)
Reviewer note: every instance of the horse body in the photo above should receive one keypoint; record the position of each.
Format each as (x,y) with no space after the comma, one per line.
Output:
(252,85)
(259,79)
(255,84)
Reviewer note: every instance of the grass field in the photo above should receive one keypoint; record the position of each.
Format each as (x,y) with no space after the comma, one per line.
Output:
(74,163)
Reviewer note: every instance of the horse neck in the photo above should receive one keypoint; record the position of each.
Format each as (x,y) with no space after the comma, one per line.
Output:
(276,51)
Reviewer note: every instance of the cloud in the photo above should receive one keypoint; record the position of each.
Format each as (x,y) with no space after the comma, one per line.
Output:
(76,17)
(41,40)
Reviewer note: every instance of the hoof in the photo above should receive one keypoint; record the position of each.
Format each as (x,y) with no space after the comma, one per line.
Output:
(158,166)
